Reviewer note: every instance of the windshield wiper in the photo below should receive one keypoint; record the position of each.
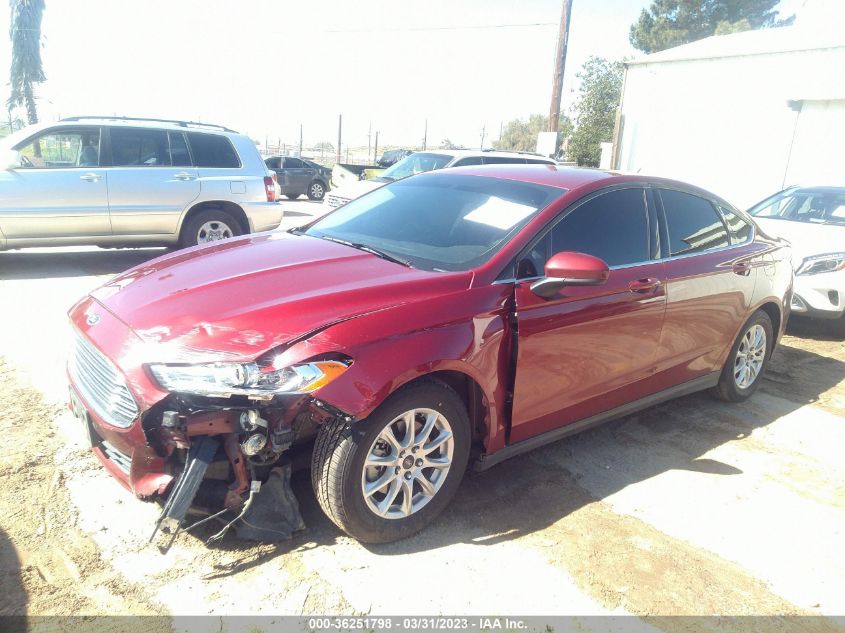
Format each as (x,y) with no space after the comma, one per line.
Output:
(368,249)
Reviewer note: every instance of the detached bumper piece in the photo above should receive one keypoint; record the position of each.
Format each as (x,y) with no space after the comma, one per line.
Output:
(274,513)
(203,450)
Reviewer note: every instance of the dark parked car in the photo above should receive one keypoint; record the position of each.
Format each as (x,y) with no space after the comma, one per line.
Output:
(393,156)
(459,316)
(299,176)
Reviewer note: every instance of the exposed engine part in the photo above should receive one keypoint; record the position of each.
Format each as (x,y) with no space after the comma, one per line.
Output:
(254,444)
(170,419)
(185,488)
(251,420)
(236,458)
(274,513)
(281,439)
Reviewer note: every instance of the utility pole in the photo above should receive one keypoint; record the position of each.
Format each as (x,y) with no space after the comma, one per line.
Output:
(375,149)
(425,135)
(339,129)
(483,134)
(560,66)
(369,140)
(300,140)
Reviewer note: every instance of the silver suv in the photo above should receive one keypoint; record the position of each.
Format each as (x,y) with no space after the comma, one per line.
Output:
(120,181)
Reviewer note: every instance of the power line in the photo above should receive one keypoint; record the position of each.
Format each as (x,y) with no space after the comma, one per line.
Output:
(467,27)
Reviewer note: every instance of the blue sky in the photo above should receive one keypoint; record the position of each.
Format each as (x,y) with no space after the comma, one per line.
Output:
(265,66)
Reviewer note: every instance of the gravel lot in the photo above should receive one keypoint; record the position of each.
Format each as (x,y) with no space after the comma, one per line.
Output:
(692,507)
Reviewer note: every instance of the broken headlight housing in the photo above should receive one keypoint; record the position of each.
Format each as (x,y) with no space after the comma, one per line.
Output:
(817,264)
(221,380)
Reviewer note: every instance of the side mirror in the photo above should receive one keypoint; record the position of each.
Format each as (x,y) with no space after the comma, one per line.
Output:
(569,268)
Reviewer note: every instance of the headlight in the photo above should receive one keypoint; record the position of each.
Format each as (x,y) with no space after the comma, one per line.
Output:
(826,263)
(222,380)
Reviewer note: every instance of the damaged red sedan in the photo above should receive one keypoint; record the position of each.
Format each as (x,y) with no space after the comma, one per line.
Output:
(440,321)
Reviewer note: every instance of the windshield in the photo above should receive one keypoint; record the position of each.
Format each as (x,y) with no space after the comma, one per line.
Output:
(804,205)
(438,222)
(415,164)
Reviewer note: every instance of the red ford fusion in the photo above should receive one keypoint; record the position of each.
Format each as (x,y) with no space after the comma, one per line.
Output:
(443,321)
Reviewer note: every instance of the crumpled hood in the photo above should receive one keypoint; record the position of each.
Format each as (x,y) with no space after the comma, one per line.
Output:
(242,297)
(807,238)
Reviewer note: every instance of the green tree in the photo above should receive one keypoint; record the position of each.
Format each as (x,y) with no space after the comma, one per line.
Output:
(601,88)
(26,70)
(668,23)
(521,135)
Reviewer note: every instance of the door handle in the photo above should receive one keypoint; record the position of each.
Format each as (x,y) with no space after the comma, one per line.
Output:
(183,175)
(742,268)
(644,285)
(90,177)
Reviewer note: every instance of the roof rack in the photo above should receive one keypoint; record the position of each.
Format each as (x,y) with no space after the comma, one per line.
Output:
(133,118)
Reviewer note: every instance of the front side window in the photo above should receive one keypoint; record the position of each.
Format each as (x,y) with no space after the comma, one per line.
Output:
(438,222)
(612,226)
(62,148)
(131,147)
(212,150)
(693,223)
(819,207)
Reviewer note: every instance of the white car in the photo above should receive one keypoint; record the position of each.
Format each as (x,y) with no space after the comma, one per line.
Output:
(813,219)
(420,162)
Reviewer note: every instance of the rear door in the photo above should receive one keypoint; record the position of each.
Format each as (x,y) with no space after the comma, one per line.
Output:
(590,348)
(710,283)
(59,189)
(298,174)
(151,180)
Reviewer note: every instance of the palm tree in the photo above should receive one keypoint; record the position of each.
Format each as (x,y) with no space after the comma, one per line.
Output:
(25,33)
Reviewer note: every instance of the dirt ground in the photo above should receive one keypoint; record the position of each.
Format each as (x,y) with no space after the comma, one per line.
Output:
(694,507)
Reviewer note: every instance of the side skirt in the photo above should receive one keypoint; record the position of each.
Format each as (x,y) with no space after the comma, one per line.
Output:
(699,384)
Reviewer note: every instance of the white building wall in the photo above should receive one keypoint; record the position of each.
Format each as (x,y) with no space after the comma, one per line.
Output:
(725,123)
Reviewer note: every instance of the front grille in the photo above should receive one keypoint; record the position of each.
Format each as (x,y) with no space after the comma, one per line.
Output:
(101,384)
(335,201)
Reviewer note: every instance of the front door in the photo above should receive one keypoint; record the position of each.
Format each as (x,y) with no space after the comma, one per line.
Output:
(151,180)
(298,175)
(58,188)
(590,348)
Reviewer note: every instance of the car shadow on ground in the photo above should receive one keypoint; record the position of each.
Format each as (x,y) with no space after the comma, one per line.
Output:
(13,598)
(534,491)
(46,264)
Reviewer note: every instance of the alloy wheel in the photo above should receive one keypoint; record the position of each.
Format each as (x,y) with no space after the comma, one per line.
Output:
(407,463)
(212,231)
(750,356)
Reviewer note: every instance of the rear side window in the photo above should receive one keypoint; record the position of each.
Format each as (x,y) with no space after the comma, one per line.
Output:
(294,163)
(612,226)
(469,160)
(693,223)
(211,150)
(139,148)
(738,229)
(179,155)
(274,163)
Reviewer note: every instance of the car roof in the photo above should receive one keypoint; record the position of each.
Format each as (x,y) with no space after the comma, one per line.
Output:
(569,178)
(461,153)
(158,124)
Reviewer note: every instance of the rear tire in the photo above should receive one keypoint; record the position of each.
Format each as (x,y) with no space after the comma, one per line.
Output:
(207,226)
(316,190)
(351,460)
(747,361)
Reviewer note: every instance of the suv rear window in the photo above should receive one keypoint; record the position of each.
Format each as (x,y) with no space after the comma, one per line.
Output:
(211,150)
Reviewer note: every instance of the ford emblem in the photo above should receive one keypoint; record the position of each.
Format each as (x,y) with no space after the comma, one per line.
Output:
(93,319)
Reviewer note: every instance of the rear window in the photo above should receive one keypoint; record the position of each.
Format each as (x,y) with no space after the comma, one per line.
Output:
(694,226)
(211,150)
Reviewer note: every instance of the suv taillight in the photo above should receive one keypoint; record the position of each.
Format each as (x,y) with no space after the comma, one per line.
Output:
(270,187)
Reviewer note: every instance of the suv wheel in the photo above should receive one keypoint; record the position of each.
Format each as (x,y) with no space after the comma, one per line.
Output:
(316,190)
(207,226)
(749,356)
(387,477)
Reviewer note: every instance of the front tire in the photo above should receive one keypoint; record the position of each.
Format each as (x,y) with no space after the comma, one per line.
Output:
(743,371)
(316,190)
(208,226)
(387,477)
